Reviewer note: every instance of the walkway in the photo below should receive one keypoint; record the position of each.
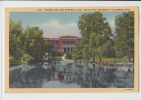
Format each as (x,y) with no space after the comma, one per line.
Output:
(63,57)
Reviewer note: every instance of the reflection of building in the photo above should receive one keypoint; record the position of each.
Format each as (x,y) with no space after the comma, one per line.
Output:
(63,43)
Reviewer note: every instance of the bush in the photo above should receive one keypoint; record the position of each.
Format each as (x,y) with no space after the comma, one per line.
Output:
(26,58)
(12,60)
(55,53)
(59,53)
(68,55)
(58,58)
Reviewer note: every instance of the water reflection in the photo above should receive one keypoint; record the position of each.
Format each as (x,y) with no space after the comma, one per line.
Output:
(69,75)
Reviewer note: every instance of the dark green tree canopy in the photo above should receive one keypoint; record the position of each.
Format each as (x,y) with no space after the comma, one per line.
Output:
(94,22)
(26,44)
(95,32)
(15,28)
(124,34)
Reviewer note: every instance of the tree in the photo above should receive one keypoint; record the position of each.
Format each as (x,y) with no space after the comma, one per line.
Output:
(33,42)
(15,28)
(94,22)
(77,51)
(28,44)
(93,44)
(15,32)
(47,47)
(95,30)
(109,50)
(124,44)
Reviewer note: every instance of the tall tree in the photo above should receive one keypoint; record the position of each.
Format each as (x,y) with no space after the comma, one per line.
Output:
(26,44)
(124,45)
(77,51)
(33,42)
(15,32)
(96,30)
(94,22)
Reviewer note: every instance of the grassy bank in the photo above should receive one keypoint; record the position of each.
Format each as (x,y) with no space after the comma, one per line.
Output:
(12,60)
(125,58)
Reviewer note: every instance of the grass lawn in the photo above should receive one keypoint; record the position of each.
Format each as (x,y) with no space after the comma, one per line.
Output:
(125,58)
(58,58)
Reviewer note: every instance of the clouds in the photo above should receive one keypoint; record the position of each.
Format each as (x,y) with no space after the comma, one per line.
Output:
(56,24)
(112,25)
(54,29)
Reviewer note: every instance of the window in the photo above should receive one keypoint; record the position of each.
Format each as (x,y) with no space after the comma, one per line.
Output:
(65,42)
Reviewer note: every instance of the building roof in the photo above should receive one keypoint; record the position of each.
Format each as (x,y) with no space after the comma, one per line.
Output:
(62,37)
(51,38)
(68,37)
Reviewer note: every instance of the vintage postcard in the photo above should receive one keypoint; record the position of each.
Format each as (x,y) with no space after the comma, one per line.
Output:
(72,49)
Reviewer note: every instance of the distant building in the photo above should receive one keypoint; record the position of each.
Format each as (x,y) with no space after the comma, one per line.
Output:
(63,43)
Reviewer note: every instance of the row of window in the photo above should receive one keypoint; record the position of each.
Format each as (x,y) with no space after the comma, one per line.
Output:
(55,43)
(68,42)
(65,42)
(55,48)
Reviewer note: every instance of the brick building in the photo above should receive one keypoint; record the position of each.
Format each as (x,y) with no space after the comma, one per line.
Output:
(63,43)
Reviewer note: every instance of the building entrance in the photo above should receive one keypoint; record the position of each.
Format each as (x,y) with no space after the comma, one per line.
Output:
(67,50)
(64,50)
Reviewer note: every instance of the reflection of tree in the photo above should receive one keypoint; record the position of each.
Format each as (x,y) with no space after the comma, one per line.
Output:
(15,77)
(36,75)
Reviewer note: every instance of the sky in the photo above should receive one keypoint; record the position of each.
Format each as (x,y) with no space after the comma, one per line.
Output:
(56,24)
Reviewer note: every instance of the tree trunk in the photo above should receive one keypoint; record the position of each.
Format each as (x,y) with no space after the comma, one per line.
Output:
(93,56)
(133,58)
(99,58)
(129,57)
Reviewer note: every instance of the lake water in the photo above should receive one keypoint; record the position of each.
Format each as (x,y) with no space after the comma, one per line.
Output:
(66,74)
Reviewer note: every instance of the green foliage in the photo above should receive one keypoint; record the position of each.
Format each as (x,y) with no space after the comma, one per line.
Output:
(47,47)
(86,50)
(15,28)
(93,22)
(108,49)
(26,58)
(96,38)
(33,42)
(110,59)
(15,32)
(58,58)
(68,55)
(26,45)
(13,60)
(77,51)
(124,44)
(58,53)
(95,32)
(54,53)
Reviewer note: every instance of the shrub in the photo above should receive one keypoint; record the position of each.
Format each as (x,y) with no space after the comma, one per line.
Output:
(13,60)
(68,55)
(26,58)
(58,58)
